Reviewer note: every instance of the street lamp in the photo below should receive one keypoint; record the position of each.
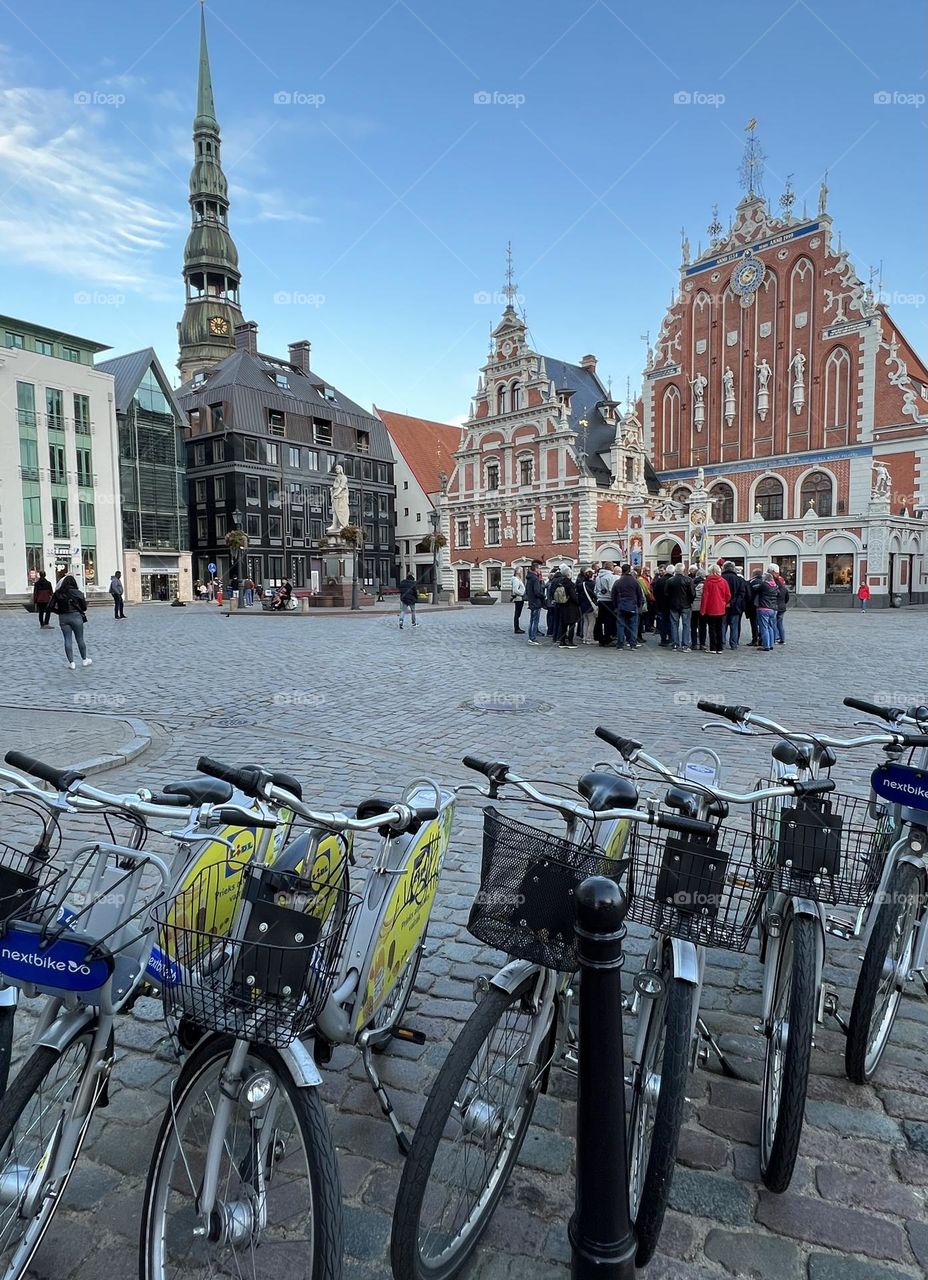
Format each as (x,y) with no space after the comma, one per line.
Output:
(435,517)
(237,519)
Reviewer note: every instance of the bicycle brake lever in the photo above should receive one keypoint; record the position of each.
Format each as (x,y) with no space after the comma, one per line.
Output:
(745,730)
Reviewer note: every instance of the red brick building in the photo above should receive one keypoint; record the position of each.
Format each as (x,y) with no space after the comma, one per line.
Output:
(780,375)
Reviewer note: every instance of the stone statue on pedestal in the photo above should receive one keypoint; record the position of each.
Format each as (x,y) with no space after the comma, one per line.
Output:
(341,517)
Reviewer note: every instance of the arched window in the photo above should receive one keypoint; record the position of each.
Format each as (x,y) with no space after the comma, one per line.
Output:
(501,398)
(768,498)
(837,389)
(526,469)
(492,475)
(681,494)
(817,493)
(670,421)
(723,508)
(515,398)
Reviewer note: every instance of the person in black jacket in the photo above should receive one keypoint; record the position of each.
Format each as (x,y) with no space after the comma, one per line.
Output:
(552,609)
(627,601)
(70,604)
(782,602)
(535,599)
(731,627)
(409,598)
(681,592)
(568,609)
(764,591)
(661,611)
(42,594)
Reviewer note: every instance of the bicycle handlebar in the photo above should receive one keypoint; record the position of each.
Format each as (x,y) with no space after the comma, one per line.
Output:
(626,747)
(60,779)
(898,738)
(735,714)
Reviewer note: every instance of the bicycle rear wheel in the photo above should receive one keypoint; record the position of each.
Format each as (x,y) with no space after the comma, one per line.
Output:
(789,1052)
(278,1209)
(468,1138)
(884,973)
(31,1115)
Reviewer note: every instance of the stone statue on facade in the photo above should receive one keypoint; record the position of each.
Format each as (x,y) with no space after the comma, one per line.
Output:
(763,393)
(341,517)
(728,388)
(882,483)
(698,385)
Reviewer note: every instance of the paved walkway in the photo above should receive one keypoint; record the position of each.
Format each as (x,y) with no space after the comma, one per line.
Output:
(353,709)
(78,733)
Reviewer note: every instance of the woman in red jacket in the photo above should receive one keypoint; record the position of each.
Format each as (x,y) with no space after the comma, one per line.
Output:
(716,594)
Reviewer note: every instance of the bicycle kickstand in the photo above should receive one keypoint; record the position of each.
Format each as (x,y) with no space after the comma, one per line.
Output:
(706,1035)
(382,1096)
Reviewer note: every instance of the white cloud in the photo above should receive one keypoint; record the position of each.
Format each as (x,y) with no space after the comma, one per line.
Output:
(73,196)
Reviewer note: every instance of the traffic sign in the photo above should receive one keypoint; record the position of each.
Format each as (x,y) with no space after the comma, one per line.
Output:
(211,568)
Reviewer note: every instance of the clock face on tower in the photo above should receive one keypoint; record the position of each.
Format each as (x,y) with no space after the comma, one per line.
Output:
(219,325)
(747,277)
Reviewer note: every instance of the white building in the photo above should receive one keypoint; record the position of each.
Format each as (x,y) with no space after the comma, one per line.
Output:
(424,454)
(59,468)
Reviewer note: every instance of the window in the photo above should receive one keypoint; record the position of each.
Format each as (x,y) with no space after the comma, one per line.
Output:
(84,468)
(82,415)
(86,514)
(294,458)
(362,441)
(494,578)
(253,527)
(312,459)
(562,526)
(219,489)
(219,451)
(14,340)
(275,423)
(723,508)
(670,422)
(383,506)
(57,473)
(328,393)
(25,404)
(44,348)
(274,527)
(61,527)
(787,567)
(199,455)
(251,449)
(322,431)
(314,496)
(295,494)
(315,530)
(271,453)
(816,494)
(516,396)
(72,354)
(202,529)
(216,416)
(29,458)
(492,475)
(54,409)
(252,489)
(282,380)
(527,527)
(525,471)
(501,398)
(405,484)
(32,513)
(493,539)
(201,490)
(837,389)
(405,511)
(839,572)
(296,527)
(273,493)
(463,534)
(418,517)
(222,524)
(768,499)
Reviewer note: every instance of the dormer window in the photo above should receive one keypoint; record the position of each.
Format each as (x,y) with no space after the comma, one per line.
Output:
(199,378)
(328,394)
(282,380)
(363,441)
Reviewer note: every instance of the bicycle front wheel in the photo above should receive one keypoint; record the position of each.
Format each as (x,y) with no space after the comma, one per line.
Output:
(468,1138)
(32,1113)
(789,1052)
(883,974)
(277,1184)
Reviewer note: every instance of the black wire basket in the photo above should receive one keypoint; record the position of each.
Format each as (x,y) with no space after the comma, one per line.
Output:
(707,890)
(829,848)
(251,951)
(525,904)
(27,885)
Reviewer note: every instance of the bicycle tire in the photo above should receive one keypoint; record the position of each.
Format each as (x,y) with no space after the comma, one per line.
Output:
(27,1085)
(904,894)
(782,1117)
(668,1037)
(321,1168)
(382,1033)
(7,1018)
(405,1253)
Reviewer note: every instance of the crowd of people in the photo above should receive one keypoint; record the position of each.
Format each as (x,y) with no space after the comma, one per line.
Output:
(699,608)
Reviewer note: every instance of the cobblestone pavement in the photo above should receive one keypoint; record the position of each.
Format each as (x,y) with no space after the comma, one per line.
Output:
(352,709)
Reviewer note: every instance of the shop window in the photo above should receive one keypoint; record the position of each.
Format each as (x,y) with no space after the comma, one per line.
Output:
(839,572)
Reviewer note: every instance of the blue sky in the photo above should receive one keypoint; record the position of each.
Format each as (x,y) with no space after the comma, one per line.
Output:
(373,196)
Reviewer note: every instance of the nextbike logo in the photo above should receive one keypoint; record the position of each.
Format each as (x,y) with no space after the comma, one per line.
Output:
(45,963)
(901,784)
(163,968)
(65,963)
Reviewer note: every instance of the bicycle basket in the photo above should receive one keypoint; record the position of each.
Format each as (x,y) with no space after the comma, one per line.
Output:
(828,848)
(708,891)
(252,951)
(26,885)
(525,902)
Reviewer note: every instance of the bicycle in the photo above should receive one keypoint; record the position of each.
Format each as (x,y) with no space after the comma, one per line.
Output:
(481,1103)
(822,852)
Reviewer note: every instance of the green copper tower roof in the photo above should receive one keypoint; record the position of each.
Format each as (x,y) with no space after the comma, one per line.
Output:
(206,108)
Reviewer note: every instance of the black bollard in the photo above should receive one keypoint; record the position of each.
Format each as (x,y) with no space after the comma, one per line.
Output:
(602,1237)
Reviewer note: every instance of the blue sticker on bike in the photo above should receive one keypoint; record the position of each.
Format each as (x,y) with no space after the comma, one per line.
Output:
(66,964)
(163,969)
(901,784)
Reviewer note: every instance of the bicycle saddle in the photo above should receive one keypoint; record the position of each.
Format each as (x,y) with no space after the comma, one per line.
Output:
(200,790)
(687,803)
(603,790)
(288,782)
(827,758)
(789,753)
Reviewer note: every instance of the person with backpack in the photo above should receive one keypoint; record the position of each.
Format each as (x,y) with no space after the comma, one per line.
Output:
(42,594)
(782,603)
(535,599)
(409,598)
(117,591)
(70,604)
(552,619)
(517,598)
(738,589)
(627,601)
(586,597)
(604,630)
(568,609)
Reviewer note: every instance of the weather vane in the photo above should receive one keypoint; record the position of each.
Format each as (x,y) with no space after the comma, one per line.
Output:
(752,165)
(511,286)
(788,198)
(714,228)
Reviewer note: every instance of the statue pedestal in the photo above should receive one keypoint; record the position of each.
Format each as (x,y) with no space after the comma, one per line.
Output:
(338,560)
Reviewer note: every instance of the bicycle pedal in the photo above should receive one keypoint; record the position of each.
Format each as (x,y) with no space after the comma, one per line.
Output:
(409,1035)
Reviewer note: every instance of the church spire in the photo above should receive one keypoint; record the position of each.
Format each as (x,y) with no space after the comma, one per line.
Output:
(211,275)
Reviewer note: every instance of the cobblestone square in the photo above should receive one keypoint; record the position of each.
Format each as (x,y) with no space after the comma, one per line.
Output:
(352,706)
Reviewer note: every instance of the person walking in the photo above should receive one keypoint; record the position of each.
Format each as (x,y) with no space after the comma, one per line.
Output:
(604,630)
(586,598)
(681,592)
(117,592)
(249,587)
(42,594)
(782,603)
(70,604)
(738,589)
(627,601)
(409,598)
(863,596)
(535,599)
(716,596)
(764,591)
(517,596)
(568,609)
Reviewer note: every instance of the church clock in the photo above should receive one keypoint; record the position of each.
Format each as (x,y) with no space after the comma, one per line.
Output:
(219,325)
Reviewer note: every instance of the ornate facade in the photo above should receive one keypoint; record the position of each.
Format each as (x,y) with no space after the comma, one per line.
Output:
(786,415)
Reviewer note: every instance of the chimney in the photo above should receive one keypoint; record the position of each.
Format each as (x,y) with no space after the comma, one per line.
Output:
(588,363)
(246,337)
(299,355)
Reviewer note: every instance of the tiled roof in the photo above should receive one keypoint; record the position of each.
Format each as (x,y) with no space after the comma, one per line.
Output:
(427,447)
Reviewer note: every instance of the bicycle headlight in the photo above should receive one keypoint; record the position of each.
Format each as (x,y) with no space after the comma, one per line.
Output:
(649,983)
(257,1089)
